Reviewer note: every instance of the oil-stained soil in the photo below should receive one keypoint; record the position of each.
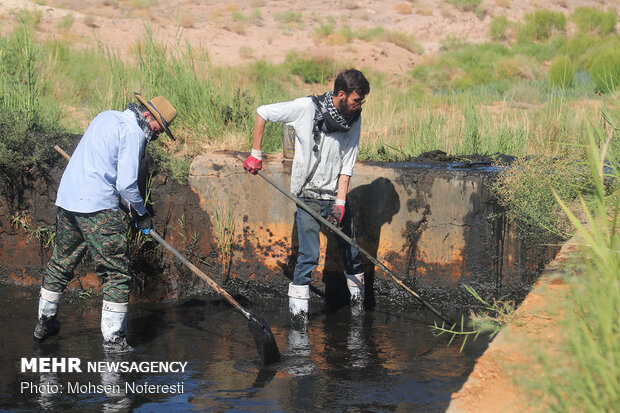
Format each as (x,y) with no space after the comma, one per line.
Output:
(24,251)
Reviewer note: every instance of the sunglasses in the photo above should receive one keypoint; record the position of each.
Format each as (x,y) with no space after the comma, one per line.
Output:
(359,101)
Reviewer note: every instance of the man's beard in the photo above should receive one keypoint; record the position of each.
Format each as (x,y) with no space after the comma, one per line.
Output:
(341,106)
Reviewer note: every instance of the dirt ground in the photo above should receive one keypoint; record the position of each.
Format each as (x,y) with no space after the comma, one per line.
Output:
(237,32)
(492,385)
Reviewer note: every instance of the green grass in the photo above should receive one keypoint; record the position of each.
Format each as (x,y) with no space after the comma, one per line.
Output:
(540,25)
(400,39)
(469,5)
(583,372)
(589,19)
(66,21)
(498,28)
(605,69)
(289,17)
(444,103)
(561,72)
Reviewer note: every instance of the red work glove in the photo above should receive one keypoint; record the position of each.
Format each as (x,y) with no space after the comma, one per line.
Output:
(335,217)
(254,162)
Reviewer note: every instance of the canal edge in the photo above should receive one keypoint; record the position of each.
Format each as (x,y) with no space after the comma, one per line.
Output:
(490,386)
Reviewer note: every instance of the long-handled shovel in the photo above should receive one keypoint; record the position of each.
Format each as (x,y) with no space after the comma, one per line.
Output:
(342,235)
(263,337)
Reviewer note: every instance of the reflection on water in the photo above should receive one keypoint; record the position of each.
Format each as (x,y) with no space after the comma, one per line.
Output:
(376,361)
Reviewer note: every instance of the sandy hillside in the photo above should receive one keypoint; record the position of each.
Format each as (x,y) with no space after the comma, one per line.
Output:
(236,32)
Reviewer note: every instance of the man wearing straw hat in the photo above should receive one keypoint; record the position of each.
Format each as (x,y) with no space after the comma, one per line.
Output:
(102,170)
(327,131)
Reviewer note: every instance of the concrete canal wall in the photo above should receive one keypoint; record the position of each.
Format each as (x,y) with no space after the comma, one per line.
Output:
(436,226)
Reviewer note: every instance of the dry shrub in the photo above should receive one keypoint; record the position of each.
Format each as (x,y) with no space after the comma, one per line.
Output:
(230,7)
(523,93)
(186,21)
(90,22)
(216,14)
(144,14)
(246,52)
(446,12)
(363,15)
(235,27)
(424,11)
(69,37)
(336,39)
(503,3)
(351,5)
(517,67)
(403,8)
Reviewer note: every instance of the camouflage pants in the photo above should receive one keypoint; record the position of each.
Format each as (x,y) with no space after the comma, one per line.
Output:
(103,233)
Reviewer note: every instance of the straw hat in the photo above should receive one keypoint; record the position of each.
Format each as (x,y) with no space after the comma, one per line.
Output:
(161,110)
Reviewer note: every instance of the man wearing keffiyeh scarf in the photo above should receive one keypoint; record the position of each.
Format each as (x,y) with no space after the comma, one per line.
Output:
(327,130)
(102,171)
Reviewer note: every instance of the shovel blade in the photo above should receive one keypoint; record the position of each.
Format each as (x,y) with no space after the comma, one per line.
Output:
(264,340)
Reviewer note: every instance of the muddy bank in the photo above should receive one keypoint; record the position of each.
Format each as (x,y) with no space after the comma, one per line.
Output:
(493,385)
(27,219)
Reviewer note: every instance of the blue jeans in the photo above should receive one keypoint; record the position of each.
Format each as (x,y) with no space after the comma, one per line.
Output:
(308,230)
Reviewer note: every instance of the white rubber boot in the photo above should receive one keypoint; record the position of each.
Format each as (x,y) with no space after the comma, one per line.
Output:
(298,297)
(47,325)
(355,283)
(113,327)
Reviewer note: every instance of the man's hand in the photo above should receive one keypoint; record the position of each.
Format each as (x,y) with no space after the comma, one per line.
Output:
(335,217)
(144,223)
(254,162)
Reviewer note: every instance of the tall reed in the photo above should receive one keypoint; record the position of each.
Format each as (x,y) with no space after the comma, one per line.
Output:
(585,374)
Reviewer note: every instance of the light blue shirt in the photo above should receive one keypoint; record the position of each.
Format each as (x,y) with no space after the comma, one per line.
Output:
(105,166)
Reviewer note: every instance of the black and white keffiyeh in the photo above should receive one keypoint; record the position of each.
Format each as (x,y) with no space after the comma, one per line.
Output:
(327,118)
(142,122)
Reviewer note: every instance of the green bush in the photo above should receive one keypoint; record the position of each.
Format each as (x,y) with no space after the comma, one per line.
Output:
(582,372)
(561,72)
(373,33)
(540,25)
(468,5)
(543,51)
(310,70)
(581,44)
(605,69)
(589,19)
(289,16)
(477,63)
(526,190)
(400,39)
(517,67)
(498,28)
(21,81)
(23,151)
